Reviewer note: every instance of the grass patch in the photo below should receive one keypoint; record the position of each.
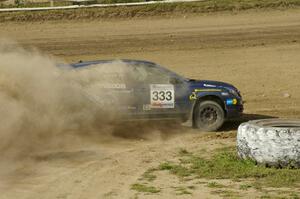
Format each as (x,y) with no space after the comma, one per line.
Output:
(176,169)
(148,10)
(144,188)
(245,186)
(120,1)
(36,4)
(149,175)
(294,196)
(226,165)
(265,197)
(215,185)
(226,193)
(26,4)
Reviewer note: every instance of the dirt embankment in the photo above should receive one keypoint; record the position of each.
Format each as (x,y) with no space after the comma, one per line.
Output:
(256,51)
(155,10)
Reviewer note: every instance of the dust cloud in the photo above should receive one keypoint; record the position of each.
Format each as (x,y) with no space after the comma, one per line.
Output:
(43,105)
(47,107)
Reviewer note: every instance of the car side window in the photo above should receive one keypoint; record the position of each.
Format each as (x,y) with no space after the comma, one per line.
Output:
(100,75)
(150,74)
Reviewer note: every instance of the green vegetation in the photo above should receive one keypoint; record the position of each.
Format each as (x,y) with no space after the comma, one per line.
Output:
(144,188)
(28,4)
(226,165)
(223,164)
(245,186)
(294,195)
(145,10)
(21,4)
(121,1)
(215,185)
(148,175)
(226,193)
(289,196)
(176,169)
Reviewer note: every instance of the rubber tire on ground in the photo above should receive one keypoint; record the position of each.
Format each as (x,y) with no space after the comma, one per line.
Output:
(272,142)
(220,116)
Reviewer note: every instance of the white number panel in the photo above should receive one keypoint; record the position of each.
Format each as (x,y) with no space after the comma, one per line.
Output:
(162,96)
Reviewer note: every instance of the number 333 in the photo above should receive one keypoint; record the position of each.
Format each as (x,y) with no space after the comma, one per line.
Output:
(161,95)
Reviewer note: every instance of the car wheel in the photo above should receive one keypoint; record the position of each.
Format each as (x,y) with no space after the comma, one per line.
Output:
(271,142)
(208,116)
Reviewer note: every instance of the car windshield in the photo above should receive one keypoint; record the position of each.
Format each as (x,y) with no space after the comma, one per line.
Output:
(153,73)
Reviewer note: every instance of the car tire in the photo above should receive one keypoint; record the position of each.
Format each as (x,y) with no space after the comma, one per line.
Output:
(208,116)
(271,142)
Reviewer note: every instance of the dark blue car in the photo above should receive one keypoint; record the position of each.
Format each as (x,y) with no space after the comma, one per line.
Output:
(147,91)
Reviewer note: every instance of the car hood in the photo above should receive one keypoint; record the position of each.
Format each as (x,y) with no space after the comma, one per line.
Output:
(210,84)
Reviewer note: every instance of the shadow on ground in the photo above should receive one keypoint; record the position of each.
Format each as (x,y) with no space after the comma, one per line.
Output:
(234,124)
(148,130)
(167,129)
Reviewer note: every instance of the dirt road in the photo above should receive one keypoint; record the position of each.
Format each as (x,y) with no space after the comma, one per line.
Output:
(256,51)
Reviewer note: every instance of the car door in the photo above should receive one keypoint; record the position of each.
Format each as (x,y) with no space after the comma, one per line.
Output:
(107,87)
(159,93)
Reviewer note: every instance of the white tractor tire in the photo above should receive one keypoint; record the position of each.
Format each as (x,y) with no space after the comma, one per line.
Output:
(271,142)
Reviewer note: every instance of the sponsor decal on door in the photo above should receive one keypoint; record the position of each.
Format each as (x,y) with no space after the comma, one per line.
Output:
(162,96)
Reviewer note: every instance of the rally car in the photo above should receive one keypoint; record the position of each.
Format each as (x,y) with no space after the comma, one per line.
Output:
(148,91)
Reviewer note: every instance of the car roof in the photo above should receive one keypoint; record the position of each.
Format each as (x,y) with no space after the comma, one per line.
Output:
(129,61)
(82,64)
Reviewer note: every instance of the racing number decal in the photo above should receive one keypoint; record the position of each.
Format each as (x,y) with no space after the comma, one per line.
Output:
(162,95)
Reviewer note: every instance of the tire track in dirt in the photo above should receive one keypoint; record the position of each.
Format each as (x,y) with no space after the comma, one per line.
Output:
(191,40)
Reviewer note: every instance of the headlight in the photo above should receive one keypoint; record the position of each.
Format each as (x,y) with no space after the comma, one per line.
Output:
(234,92)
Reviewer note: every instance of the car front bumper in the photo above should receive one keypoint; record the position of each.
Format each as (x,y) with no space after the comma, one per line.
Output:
(234,111)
